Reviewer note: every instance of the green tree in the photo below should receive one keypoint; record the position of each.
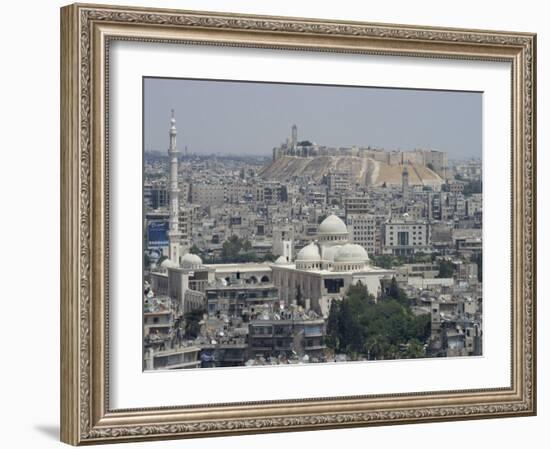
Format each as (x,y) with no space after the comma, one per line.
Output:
(350,335)
(333,326)
(246,245)
(269,257)
(386,261)
(237,250)
(421,257)
(192,319)
(397,293)
(421,327)
(375,347)
(231,248)
(195,250)
(446,269)
(359,293)
(415,349)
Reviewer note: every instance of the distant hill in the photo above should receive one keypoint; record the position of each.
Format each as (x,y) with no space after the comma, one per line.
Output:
(363,170)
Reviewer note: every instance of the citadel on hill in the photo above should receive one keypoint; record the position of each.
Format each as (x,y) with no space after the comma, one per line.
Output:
(364,165)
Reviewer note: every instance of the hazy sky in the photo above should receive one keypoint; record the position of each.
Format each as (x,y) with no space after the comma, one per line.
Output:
(252,118)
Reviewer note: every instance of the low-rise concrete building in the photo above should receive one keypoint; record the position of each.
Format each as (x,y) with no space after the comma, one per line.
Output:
(289,334)
(174,358)
(241,299)
(404,236)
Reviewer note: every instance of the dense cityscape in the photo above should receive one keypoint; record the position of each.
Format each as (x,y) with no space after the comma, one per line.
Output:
(311,254)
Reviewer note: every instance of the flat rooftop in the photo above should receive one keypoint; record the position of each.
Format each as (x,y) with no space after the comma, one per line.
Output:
(241,267)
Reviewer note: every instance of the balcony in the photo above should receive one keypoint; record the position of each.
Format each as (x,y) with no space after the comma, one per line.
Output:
(315,348)
(262,348)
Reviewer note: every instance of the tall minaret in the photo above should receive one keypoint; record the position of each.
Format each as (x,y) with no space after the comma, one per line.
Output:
(294,137)
(174,235)
(405,181)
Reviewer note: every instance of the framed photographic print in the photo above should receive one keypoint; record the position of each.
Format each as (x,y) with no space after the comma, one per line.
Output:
(280,224)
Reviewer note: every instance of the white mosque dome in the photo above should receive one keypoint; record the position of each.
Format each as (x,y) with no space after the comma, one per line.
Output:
(191,261)
(333,225)
(351,253)
(309,252)
(167,263)
(281,260)
(330,252)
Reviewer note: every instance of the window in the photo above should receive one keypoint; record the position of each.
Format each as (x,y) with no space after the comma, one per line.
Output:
(403,238)
(334,285)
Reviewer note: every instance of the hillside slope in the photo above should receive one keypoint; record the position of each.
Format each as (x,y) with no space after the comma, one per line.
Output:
(364,171)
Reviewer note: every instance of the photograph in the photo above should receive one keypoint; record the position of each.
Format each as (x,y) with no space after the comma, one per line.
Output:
(288,223)
(284,220)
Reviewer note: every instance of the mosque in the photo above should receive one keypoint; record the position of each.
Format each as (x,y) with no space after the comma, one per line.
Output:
(324,270)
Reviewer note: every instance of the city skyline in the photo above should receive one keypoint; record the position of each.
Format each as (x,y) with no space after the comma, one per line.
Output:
(250,118)
(318,254)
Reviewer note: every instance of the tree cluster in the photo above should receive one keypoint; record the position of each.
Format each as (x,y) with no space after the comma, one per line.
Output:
(396,293)
(237,250)
(390,261)
(362,328)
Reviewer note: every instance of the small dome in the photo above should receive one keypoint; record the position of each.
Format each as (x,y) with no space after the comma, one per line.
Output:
(167,263)
(351,253)
(309,252)
(281,260)
(333,225)
(191,261)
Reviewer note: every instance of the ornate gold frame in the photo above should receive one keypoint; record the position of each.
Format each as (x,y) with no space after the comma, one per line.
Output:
(86,31)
